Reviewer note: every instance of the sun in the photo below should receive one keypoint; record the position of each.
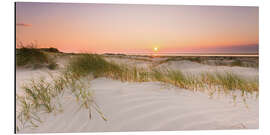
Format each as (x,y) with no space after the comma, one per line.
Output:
(155,49)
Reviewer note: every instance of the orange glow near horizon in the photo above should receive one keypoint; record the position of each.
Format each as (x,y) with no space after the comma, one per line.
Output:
(103,28)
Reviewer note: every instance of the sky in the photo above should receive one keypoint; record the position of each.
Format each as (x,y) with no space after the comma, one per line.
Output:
(126,28)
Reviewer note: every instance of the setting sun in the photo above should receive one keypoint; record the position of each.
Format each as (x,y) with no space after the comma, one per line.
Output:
(155,49)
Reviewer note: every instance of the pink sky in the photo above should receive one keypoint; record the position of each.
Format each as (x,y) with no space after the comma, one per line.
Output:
(138,28)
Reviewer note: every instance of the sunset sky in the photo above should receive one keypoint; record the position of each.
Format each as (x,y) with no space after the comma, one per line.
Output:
(115,28)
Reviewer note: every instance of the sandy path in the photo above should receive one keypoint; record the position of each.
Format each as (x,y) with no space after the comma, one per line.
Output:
(151,106)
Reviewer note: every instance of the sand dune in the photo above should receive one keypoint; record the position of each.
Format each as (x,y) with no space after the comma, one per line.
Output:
(196,68)
(149,106)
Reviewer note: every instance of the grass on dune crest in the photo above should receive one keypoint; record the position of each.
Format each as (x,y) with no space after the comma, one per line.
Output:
(212,82)
(92,63)
(217,60)
(99,67)
(30,56)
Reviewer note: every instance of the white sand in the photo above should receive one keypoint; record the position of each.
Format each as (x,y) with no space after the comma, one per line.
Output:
(149,106)
(189,66)
(196,68)
(138,63)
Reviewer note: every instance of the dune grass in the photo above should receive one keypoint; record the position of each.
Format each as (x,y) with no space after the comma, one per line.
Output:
(40,96)
(237,63)
(92,63)
(31,56)
(99,67)
(37,98)
(218,60)
(157,75)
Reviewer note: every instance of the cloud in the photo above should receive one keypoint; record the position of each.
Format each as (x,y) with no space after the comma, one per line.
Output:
(23,24)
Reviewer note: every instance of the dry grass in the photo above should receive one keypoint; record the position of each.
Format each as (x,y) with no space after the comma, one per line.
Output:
(217,60)
(99,67)
(41,96)
(37,98)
